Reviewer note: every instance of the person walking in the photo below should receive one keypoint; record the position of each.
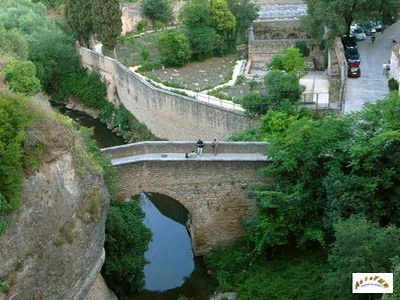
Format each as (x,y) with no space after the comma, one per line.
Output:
(372,39)
(214,146)
(200,146)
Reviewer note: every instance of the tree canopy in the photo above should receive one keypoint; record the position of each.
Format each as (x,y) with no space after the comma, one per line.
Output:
(338,15)
(21,77)
(157,10)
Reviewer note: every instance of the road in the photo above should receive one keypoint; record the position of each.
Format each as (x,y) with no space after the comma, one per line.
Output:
(372,85)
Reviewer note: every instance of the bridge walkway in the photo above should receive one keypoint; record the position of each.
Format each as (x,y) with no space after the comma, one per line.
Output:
(181,157)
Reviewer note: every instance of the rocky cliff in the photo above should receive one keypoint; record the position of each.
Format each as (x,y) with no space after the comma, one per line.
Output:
(53,248)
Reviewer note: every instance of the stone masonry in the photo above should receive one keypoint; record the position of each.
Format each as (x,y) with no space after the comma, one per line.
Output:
(212,188)
(166,114)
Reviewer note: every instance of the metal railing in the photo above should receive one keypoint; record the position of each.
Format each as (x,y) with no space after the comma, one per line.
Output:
(320,101)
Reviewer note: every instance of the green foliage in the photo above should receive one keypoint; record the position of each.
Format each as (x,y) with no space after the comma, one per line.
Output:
(157,10)
(248,135)
(239,80)
(236,268)
(83,86)
(290,60)
(393,84)
(25,16)
(79,16)
(3,283)
(126,242)
(14,119)
(140,26)
(12,43)
(360,246)
(174,48)
(245,12)
(337,15)
(396,281)
(50,3)
(302,46)
(209,26)
(254,103)
(281,86)
(144,53)
(21,77)
(107,22)
(223,22)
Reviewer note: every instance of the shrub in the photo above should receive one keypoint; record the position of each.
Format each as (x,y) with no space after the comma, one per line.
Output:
(157,10)
(254,103)
(173,48)
(140,26)
(302,46)
(239,80)
(126,242)
(21,77)
(145,54)
(282,86)
(393,84)
(360,246)
(290,60)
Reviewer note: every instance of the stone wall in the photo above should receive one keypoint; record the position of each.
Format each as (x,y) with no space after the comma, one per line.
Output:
(166,114)
(182,147)
(395,63)
(132,13)
(266,2)
(214,193)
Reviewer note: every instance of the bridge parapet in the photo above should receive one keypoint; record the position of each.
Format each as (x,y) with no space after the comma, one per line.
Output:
(183,147)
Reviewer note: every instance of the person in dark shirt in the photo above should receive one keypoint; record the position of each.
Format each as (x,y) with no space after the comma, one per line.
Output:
(200,146)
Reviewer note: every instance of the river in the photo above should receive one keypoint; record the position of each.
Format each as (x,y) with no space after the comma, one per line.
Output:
(173,272)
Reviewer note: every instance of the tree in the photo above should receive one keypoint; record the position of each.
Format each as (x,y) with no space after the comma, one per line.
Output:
(360,247)
(223,22)
(209,26)
(196,20)
(338,15)
(254,103)
(174,48)
(281,86)
(21,77)
(157,10)
(12,43)
(245,12)
(290,60)
(126,242)
(107,22)
(79,16)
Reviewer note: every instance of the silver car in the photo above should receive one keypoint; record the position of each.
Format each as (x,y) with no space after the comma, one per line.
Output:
(357,32)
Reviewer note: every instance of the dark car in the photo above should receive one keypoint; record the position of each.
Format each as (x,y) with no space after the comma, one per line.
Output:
(354,70)
(349,42)
(352,56)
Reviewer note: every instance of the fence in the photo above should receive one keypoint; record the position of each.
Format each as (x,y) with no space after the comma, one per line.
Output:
(320,101)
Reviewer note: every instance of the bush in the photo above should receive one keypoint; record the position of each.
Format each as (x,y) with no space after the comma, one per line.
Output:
(290,60)
(239,80)
(157,10)
(21,77)
(302,46)
(393,84)
(174,48)
(126,242)
(145,54)
(140,26)
(254,103)
(360,246)
(14,119)
(282,86)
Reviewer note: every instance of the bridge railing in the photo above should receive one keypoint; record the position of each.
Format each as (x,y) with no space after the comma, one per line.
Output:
(183,147)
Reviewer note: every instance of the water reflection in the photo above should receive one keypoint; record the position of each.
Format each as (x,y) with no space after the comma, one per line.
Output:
(170,253)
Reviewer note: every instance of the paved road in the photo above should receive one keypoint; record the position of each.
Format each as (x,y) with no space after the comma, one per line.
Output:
(372,85)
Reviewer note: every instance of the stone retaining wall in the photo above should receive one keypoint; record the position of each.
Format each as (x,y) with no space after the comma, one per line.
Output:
(166,114)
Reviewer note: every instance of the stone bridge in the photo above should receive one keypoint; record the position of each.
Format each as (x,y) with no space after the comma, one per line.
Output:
(211,187)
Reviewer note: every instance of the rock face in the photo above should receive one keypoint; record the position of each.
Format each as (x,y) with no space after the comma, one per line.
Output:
(53,249)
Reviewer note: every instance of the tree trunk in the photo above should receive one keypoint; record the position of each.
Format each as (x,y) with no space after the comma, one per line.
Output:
(115,53)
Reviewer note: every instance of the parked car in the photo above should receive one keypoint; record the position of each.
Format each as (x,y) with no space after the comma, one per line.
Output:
(357,32)
(349,42)
(354,70)
(352,56)
(367,28)
(378,25)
